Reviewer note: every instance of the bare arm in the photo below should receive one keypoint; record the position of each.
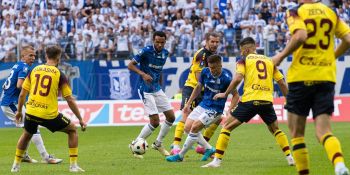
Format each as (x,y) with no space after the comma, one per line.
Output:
(234,100)
(343,46)
(283,86)
(298,38)
(21,99)
(19,83)
(233,85)
(73,106)
(197,90)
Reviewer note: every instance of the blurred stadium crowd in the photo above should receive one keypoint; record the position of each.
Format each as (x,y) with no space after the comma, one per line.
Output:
(117,29)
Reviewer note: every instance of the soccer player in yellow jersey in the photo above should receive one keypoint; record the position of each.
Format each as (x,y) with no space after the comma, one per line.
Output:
(43,84)
(199,61)
(312,76)
(258,73)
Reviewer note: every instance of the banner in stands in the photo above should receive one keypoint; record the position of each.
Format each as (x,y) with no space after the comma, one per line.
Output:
(111,80)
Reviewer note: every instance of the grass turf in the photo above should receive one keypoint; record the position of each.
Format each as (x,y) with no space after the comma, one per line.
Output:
(104,150)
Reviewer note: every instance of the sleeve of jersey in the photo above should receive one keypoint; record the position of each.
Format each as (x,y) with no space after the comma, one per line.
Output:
(240,67)
(277,74)
(341,29)
(294,21)
(64,86)
(198,63)
(23,73)
(139,55)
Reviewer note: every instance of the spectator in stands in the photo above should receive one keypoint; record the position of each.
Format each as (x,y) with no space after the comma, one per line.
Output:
(106,49)
(270,32)
(122,45)
(79,47)
(89,47)
(136,41)
(228,39)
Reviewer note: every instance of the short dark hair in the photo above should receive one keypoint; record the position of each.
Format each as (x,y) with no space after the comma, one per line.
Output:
(159,33)
(214,59)
(53,52)
(213,34)
(247,40)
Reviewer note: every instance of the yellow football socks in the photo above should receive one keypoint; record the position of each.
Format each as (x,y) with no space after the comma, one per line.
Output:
(73,155)
(209,132)
(333,148)
(222,143)
(179,130)
(301,155)
(19,155)
(282,140)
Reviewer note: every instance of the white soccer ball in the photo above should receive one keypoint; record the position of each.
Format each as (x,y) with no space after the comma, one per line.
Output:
(139,146)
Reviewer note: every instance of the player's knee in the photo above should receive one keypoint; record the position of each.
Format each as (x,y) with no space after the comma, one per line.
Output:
(154,123)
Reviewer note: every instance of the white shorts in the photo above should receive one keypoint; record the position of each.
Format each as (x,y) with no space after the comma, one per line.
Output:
(155,103)
(206,116)
(10,113)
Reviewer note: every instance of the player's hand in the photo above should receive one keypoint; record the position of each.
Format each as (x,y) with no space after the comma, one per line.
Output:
(82,125)
(19,117)
(277,60)
(219,95)
(147,78)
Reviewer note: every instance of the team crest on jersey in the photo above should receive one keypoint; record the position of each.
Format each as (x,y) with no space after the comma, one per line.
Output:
(25,69)
(120,84)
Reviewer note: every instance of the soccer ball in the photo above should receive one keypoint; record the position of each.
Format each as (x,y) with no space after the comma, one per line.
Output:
(139,146)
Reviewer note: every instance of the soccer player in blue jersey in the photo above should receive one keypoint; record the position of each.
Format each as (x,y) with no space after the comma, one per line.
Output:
(152,59)
(214,80)
(9,100)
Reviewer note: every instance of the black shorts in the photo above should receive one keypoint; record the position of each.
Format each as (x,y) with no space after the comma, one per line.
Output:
(186,94)
(315,95)
(31,123)
(247,110)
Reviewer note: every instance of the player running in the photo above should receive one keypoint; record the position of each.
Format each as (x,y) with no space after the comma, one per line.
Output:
(152,60)
(198,63)
(214,80)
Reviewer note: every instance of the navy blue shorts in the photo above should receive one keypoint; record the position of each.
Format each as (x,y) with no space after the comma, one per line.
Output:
(186,94)
(247,110)
(315,95)
(31,123)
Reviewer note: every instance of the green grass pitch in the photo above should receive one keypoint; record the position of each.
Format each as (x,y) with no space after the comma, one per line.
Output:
(104,150)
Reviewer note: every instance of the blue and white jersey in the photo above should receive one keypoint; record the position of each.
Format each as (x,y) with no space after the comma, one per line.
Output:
(212,86)
(10,91)
(151,62)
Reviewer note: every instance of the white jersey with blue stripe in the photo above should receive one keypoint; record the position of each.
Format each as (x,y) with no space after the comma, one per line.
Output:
(10,91)
(212,86)
(151,62)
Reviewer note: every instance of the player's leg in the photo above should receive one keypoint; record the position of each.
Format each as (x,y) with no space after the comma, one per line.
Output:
(179,130)
(331,143)
(164,106)
(39,143)
(208,133)
(267,113)
(63,124)
(10,112)
(30,127)
(298,106)
(190,140)
(322,109)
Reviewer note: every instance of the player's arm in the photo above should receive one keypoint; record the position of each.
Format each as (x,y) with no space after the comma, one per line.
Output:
(299,35)
(278,77)
(67,94)
(74,107)
(197,90)
(132,66)
(342,32)
(21,99)
(19,83)
(233,85)
(234,100)
(298,38)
